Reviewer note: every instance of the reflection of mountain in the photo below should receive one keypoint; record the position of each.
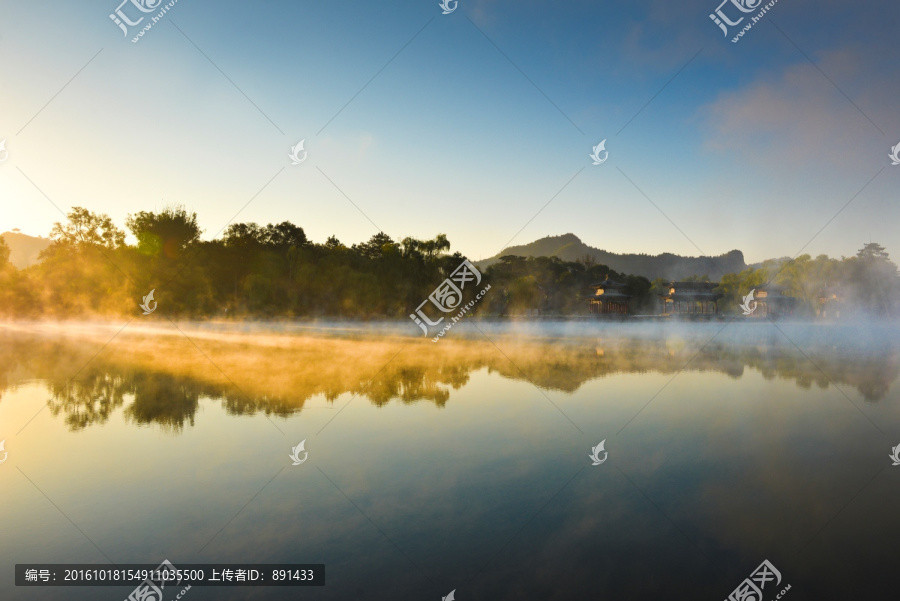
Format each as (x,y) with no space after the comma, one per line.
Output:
(161,378)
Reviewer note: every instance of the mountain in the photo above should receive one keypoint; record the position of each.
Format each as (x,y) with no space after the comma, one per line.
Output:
(24,249)
(569,247)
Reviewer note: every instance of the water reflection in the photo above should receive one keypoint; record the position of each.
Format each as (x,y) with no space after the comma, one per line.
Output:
(744,457)
(160,379)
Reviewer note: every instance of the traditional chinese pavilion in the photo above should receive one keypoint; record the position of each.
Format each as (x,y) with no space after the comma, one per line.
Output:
(773,301)
(609,298)
(691,298)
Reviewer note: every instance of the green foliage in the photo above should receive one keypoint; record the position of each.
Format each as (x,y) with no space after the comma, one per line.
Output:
(252,270)
(274,270)
(867,284)
(550,286)
(170,231)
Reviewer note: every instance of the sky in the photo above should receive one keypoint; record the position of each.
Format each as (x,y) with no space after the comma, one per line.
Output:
(477,124)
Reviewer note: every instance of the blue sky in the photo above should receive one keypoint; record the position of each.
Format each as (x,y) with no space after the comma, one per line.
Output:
(484,116)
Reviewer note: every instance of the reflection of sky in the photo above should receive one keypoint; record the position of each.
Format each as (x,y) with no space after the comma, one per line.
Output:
(750,146)
(745,469)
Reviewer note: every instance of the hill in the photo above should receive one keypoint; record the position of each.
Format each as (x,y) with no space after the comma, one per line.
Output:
(24,249)
(569,247)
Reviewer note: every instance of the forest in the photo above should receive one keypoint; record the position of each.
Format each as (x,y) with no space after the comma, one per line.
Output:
(274,271)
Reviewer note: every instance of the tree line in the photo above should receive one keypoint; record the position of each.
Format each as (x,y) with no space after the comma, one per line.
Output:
(250,270)
(256,271)
(866,284)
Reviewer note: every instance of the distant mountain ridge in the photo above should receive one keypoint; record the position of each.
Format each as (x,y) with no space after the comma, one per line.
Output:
(569,247)
(24,249)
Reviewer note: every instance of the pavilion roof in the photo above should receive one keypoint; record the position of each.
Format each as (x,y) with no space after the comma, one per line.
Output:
(608,283)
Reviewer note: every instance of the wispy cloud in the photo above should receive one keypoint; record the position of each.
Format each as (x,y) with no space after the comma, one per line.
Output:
(804,116)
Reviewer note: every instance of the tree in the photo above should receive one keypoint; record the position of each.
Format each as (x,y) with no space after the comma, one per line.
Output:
(375,247)
(588,260)
(434,247)
(244,235)
(284,235)
(88,228)
(168,232)
(874,252)
(875,279)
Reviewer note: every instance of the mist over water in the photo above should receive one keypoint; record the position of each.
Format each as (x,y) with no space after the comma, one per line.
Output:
(490,301)
(279,368)
(729,443)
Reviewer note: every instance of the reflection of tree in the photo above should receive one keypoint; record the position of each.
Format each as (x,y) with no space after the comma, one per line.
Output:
(88,400)
(163,399)
(238,403)
(408,384)
(160,380)
(91,398)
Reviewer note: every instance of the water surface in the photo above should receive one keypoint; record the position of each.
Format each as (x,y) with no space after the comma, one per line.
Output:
(458,465)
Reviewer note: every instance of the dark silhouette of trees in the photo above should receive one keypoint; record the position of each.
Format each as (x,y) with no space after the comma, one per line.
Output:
(276,271)
(169,232)
(550,286)
(250,271)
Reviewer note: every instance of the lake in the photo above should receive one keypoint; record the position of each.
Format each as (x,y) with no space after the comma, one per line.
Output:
(462,465)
